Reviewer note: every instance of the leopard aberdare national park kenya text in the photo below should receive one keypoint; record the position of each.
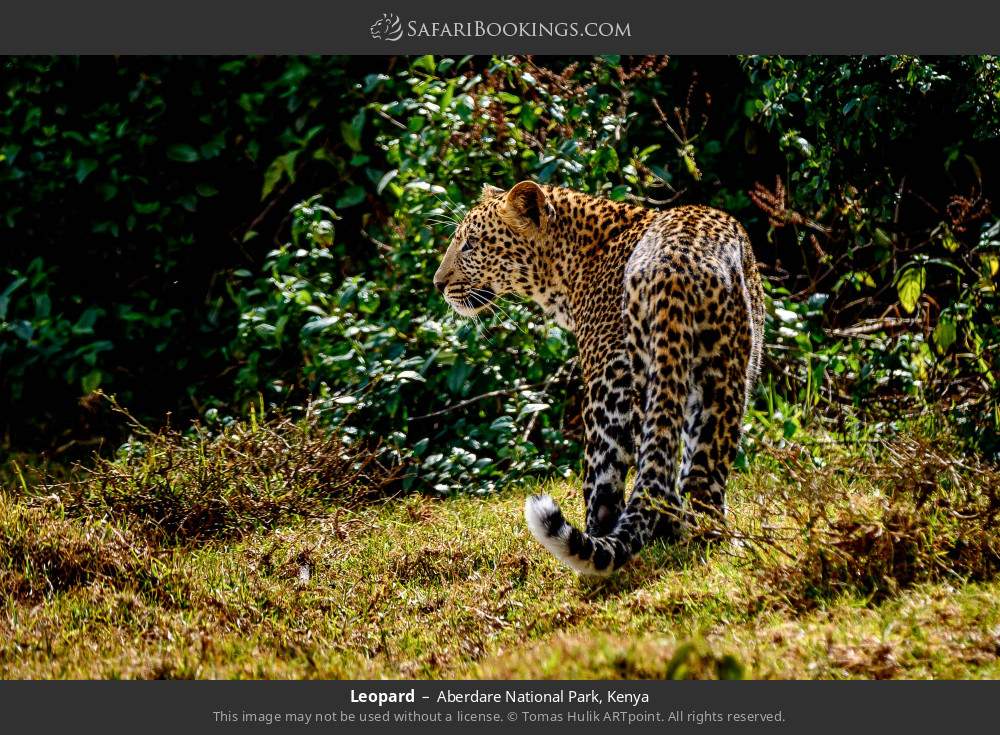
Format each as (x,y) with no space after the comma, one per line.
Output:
(668,313)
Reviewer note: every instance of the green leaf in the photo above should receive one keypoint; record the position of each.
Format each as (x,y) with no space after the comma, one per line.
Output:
(457,376)
(910,284)
(864,278)
(280,167)
(23,329)
(354,195)
(214,147)
(503,423)
(411,375)
(945,333)
(318,325)
(882,237)
(14,285)
(991,263)
(604,160)
(351,131)
(449,95)
(426,63)
(85,324)
(43,306)
(146,208)
(90,381)
(949,241)
(107,191)
(384,181)
(85,167)
(182,152)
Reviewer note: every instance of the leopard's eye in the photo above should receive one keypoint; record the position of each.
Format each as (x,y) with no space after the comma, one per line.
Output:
(467,246)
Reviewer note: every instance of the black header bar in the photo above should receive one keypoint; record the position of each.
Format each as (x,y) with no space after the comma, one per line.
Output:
(511,26)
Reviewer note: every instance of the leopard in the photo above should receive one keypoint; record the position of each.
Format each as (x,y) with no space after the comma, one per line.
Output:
(667,308)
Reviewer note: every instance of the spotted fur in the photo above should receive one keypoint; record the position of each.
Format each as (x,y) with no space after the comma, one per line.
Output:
(667,309)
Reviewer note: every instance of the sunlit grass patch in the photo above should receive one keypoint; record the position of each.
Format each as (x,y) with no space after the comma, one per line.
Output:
(839,562)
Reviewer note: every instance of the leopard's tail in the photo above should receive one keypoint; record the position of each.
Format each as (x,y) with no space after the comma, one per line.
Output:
(592,556)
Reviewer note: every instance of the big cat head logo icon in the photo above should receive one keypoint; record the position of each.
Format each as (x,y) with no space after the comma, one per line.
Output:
(387,28)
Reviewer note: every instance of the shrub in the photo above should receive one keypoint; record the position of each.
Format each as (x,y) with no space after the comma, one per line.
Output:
(130,186)
(376,361)
(876,236)
(922,515)
(184,488)
(887,208)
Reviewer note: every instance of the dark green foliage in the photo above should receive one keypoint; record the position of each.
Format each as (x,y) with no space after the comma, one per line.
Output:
(891,176)
(154,237)
(380,359)
(130,187)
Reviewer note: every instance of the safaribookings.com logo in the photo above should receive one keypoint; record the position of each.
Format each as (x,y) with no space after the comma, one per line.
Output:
(387,28)
(390,28)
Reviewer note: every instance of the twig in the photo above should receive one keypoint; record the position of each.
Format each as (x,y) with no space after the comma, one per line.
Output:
(391,119)
(870,326)
(470,401)
(375,241)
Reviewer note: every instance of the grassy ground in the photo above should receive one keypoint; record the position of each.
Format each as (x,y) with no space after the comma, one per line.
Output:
(808,587)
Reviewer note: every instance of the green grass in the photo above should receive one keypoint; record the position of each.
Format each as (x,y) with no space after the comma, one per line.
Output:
(455,588)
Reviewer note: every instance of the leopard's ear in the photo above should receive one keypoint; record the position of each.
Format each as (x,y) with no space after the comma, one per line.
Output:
(490,192)
(526,205)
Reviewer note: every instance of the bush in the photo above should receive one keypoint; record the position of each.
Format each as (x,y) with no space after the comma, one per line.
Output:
(923,516)
(131,186)
(376,361)
(876,236)
(887,208)
(476,403)
(185,488)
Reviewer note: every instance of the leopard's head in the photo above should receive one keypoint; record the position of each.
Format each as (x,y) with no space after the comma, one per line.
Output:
(498,248)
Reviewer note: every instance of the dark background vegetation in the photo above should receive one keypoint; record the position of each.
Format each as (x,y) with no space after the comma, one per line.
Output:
(204,237)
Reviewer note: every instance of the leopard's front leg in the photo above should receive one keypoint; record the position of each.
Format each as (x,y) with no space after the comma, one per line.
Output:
(610,446)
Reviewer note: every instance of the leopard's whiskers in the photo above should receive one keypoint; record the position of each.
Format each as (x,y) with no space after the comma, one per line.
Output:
(498,311)
(451,207)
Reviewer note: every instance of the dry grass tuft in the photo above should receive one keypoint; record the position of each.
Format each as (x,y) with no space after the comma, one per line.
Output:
(184,488)
(923,516)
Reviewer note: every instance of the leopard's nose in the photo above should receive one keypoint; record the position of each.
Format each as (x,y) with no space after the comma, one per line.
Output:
(439,285)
